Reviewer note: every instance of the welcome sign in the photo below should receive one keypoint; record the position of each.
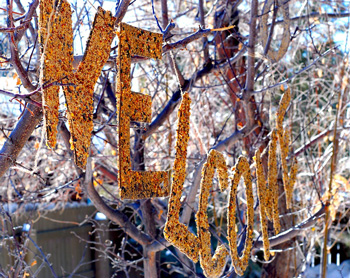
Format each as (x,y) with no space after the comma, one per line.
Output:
(56,40)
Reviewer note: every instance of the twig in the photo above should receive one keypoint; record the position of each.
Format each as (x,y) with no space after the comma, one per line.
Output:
(14,29)
(15,61)
(329,195)
(250,75)
(28,17)
(2,9)
(269,39)
(155,17)
(114,215)
(202,21)
(289,79)
(121,11)
(182,43)
(166,34)
(43,256)
(312,141)
(31,54)
(294,231)
(316,14)
(26,97)
(176,97)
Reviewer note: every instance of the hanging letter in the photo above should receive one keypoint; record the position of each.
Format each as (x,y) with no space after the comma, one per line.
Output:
(135,107)
(56,41)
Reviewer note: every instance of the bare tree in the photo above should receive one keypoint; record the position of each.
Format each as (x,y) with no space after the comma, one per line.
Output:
(236,59)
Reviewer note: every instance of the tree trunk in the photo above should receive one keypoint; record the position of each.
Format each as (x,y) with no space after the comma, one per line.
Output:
(150,261)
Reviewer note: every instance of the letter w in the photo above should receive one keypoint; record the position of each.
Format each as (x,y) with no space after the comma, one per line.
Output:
(56,40)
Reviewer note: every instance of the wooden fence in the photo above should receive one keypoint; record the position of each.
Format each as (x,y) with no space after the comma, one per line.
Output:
(63,239)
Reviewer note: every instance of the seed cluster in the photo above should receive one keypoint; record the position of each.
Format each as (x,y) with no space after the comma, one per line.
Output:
(275,56)
(135,107)
(270,193)
(56,39)
(264,195)
(80,98)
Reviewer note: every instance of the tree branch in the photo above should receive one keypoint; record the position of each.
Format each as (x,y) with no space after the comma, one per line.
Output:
(249,87)
(23,25)
(202,21)
(114,215)
(182,43)
(18,137)
(15,61)
(292,232)
(312,141)
(28,17)
(121,11)
(176,97)
(25,97)
(316,14)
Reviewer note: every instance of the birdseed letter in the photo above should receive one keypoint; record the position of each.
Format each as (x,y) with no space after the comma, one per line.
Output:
(56,41)
(138,108)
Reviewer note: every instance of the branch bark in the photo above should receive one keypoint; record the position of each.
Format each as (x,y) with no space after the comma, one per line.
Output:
(121,11)
(18,137)
(294,231)
(114,215)
(28,17)
(175,99)
(249,87)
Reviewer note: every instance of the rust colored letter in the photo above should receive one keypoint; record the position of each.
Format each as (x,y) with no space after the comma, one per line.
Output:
(138,108)
(56,40)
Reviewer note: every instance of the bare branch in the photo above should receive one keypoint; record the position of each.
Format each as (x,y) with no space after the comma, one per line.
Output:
(294,231)
(182,43)
(176,97)
(114,215)
(249,87)
(121,11)
(28,17)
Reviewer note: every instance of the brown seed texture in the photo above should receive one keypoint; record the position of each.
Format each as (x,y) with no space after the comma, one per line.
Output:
(240,263)
(192,246)
(174,231)
(263,194)
(135,107)
(56,45)
(284,140)
(272,205)
(56,39)
(80,98)
(268,195)
(212,266)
